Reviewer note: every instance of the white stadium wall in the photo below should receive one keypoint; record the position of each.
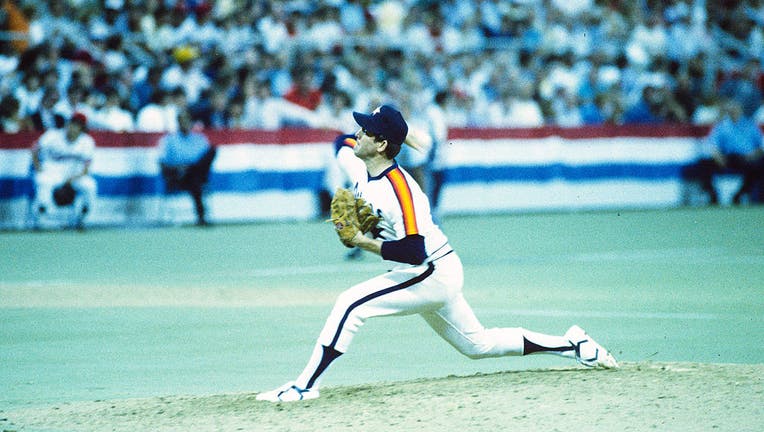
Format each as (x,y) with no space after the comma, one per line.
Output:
(266,176)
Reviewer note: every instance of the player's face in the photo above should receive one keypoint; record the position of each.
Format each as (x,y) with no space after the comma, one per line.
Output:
(366,144)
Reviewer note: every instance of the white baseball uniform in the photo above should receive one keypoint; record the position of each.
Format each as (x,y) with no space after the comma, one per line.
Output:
(428,283)
(61,160)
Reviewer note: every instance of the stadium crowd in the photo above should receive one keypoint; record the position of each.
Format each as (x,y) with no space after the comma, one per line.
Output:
(131,65)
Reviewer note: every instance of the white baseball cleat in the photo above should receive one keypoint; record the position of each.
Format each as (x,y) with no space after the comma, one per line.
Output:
(288,393)
(588,352)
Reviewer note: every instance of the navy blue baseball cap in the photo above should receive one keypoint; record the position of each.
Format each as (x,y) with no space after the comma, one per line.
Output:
(385,122)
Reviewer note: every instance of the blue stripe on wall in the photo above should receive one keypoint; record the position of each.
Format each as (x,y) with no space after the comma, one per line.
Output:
(254,181)
(551,172)
(11,187)
(243,181)
(122,186)
(250,181)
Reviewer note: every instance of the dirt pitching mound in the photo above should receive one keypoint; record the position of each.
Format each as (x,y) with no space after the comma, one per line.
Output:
(641,396)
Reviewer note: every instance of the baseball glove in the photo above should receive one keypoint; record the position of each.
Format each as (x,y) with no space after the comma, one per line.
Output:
(367,220)
(64,195)
(350,215)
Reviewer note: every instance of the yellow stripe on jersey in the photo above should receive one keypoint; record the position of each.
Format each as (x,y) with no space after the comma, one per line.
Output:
(405,199)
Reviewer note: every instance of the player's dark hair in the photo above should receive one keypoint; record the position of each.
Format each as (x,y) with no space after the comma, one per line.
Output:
(392,150)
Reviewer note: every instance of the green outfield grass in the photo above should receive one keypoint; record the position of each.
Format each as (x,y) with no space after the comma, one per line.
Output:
(131,313)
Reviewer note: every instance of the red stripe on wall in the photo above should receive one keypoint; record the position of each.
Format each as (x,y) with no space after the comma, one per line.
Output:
(585,132)
(25,140)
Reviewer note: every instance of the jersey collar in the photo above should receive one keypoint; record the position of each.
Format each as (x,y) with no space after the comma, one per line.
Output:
(384,173)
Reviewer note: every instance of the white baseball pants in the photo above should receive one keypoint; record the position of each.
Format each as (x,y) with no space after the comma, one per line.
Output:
(434,291)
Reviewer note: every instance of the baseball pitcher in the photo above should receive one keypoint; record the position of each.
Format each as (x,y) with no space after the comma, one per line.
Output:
(388,214)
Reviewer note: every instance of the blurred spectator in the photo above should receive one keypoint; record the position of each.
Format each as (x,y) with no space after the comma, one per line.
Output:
(572,8)
(389,16)
(90,106)
(745,85)
(272,26)
(186,73)
(200,28)
(657,105)
(606,52)
(213,115)
(324,30)
(66,106)
(263,110)
(113,117)
(352,16)
(438,129)
(647,41)
(113,55)
(10,119)
(254,116)
(562,72)
(522,109)
(685,36)
(29,94)
(178,101)
(685,94)
(336,112)
(45,117)
(112,22)
(701,70)
(459,110)
(420,30)
(304,92)
(735,147)
(160,115)
(9,61)
(708,110)
(591,110)
(55,23)
(464,36)
(59,157)
(185,159)
(159,28)
(566,109)
(144,89)
(235,113)
(237,34)
(490,17)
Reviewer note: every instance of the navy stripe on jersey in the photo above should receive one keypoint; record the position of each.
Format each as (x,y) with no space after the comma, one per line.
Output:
(372,296)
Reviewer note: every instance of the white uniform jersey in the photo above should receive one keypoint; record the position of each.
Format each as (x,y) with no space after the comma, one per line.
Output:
(64,159)
(60,161)
(397,199)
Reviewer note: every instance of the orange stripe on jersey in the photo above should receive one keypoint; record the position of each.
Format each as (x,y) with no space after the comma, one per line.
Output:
(405,199)
(350,142)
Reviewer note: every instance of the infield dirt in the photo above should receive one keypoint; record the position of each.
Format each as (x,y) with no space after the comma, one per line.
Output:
(643,396)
